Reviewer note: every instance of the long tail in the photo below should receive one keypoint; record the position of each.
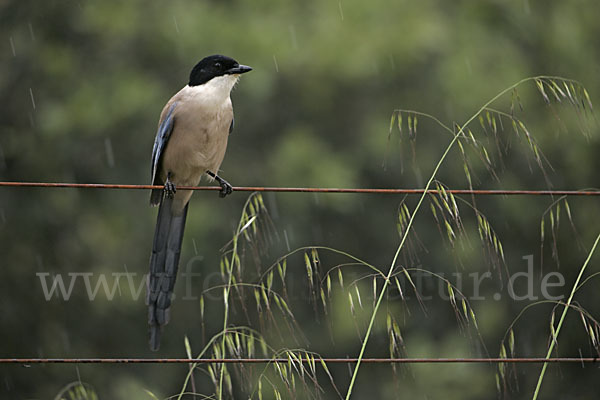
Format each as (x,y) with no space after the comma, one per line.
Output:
(166,249)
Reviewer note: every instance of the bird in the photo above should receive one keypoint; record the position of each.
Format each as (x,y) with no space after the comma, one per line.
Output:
(190,143)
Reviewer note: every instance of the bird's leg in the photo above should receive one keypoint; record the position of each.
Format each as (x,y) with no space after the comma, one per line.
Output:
(170,188)
(225,186)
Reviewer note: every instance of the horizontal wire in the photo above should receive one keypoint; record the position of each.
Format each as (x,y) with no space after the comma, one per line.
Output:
(285,360)
(308,189)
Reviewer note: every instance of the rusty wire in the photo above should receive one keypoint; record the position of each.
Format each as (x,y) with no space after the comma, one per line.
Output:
(594,192)
(285,360)
(531,360)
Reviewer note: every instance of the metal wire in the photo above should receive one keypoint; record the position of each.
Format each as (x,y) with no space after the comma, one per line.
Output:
(531,360)
(594,192)
(285,360)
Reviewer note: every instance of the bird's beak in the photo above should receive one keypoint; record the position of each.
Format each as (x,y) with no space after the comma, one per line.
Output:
(240,69)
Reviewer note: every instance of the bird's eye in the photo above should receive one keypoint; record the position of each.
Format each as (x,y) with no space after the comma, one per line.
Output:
(218,65)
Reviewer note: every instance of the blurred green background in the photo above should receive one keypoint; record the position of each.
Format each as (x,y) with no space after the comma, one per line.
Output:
(82,84)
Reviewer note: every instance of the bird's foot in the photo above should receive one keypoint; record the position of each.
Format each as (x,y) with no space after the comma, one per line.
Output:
(226,188)
(170,188)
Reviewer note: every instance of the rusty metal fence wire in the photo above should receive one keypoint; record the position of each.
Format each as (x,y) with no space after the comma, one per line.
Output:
(476,192)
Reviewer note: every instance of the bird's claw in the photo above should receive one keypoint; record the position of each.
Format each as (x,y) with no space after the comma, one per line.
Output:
(170,189)
(226,188)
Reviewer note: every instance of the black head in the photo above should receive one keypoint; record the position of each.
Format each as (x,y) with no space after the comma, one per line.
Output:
(213,66)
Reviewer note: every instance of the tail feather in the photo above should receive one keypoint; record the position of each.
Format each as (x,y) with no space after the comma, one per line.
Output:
(155,196)
(164,261)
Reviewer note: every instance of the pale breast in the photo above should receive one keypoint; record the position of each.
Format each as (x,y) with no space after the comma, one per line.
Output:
(199,138)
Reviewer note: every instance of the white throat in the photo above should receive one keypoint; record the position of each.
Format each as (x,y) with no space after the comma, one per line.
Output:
(217,88)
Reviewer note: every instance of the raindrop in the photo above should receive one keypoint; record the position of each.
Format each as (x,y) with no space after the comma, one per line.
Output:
(118,279)
(195,247)
(526,7)
(468,65)
(287,242)
(2,216)
(110,157)
(32,99)
(31,120)
(341,10)
(7,383)
(276,65)
(293,37)
(392,62)
(316,198)
(176,25)
(12,46)
(31,32)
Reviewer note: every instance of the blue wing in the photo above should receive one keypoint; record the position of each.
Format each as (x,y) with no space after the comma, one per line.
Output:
(160,142)
(162,137)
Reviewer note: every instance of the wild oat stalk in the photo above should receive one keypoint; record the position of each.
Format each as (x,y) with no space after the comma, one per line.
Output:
(546,82)
(445,211)
(300,363)
(77,391)
(246,221)
(507,345)
(249,335)
(230,337)
(556,331)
